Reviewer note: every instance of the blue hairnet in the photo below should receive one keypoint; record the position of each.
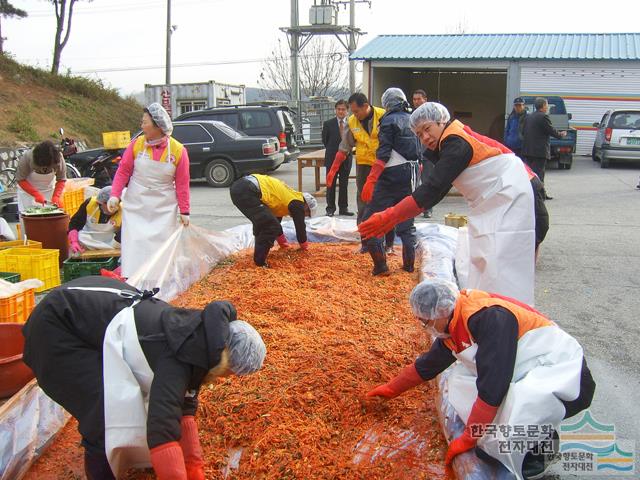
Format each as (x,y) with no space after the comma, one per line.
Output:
(434,298)
(311,201)
(393,96)
(429,112)
(104,194)
(161,117)
(246,348)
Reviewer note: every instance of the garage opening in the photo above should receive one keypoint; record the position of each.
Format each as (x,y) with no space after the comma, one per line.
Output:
(475,97)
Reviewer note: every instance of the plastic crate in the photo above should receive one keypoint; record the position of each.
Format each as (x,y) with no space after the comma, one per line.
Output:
(116,140)
(18,307)
(75,267)
(20,244)
(10,277)
(72,200)
(33,263)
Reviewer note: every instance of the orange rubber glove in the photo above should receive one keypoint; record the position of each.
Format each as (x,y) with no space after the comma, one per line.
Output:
(56,198)
(168,462)
(282,241)
(405,380)
(372,178)
(335,166)
(481,414)
(33,191)
(190,444)
(380,223)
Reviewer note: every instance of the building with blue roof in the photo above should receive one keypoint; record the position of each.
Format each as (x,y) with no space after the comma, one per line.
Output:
(477,76)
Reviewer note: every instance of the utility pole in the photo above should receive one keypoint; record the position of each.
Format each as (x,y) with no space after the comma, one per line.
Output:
(169,30)
(295,54)
(352,45)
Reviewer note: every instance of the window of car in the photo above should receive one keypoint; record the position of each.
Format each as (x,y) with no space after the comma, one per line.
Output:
(228,131)
(625,120)
(189,134)
(255,119)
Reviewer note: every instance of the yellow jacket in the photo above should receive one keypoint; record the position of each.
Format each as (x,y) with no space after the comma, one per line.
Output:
(277,195)
(366,144)
(176,150)
(93,211)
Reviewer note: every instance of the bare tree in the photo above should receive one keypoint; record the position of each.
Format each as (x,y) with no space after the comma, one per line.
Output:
(323,70)
(8,11)
(64,13)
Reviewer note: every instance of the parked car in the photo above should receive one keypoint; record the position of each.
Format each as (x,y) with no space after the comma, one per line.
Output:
(562,149)
(217,152)
(617,138)
(255,120)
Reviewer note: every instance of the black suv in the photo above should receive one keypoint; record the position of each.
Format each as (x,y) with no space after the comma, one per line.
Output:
(255,120)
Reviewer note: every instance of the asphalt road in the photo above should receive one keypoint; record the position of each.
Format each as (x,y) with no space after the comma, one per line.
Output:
(587,278)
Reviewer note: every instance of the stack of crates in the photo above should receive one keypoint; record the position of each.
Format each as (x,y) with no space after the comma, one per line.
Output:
(18,307)
(76,267)
(116,140)
(73,195)
(40,263)
(20,244)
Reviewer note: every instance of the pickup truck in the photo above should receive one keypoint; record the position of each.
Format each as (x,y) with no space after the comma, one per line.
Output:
(562,149)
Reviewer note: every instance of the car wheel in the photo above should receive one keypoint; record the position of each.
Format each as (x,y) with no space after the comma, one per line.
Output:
(594,157)
(219,173)
(604,162)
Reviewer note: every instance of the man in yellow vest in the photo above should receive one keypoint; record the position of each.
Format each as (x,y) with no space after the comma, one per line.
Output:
(93,227)
(265,200)
(517,369)
(363,135)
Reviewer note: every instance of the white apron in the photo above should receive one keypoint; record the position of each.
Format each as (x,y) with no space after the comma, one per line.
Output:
(44,183)
(547,370)
(149,212)
(499,249)
(97,236)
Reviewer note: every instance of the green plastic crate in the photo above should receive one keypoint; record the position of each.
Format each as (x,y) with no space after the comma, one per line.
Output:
(75,267)
(10,277)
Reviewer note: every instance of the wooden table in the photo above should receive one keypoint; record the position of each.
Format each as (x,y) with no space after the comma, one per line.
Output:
(313,159)
(91,254)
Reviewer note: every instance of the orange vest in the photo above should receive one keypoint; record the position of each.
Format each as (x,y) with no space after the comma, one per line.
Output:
(481,149)
(472,301)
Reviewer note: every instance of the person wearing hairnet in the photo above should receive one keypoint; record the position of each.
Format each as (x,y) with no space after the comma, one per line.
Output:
(93,227)
(265,200)
(516,368)
(129,368)
(496,250)
(155,170)
(393,176)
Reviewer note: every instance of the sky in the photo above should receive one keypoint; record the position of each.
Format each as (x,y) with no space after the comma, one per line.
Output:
(122,42)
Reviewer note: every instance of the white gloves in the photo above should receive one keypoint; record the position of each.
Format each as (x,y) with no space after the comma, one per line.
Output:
(113,204)
(184,219)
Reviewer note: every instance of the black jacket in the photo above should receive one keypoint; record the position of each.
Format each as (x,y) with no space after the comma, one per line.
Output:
(331,139)
(63,346)
(537,129)
(394,133)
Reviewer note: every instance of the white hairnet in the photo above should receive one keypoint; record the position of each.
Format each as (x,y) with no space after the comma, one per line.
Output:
(246,348)
(104,194)
(434,298)
(429,112)
(311,201)
(392,96)
(161,117)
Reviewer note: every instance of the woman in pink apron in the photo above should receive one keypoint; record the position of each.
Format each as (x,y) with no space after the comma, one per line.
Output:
(155,170)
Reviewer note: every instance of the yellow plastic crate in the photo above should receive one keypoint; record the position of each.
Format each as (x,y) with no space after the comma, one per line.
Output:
(33,263)
(72,200)
(18,307)
(20,244)
(116,140)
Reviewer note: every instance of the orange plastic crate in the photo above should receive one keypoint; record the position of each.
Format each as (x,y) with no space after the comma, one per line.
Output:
(33,263)
(20,244)
(18,307)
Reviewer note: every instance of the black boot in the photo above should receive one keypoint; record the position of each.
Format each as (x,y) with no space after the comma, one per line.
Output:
(379,260)
(96,467)
(408,258)
(260,253)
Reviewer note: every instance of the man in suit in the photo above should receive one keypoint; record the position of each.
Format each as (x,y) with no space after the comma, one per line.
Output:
(332,133)
(536,149)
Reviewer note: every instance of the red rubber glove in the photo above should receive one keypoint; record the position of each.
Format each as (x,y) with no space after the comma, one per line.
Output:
(190,444)
(168,462)
(304,246)
(380,223)
(405,380)
(282,241)
(33,191)
(74,242)
(481,414)
(56,198)
(372,178)
(335,166)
